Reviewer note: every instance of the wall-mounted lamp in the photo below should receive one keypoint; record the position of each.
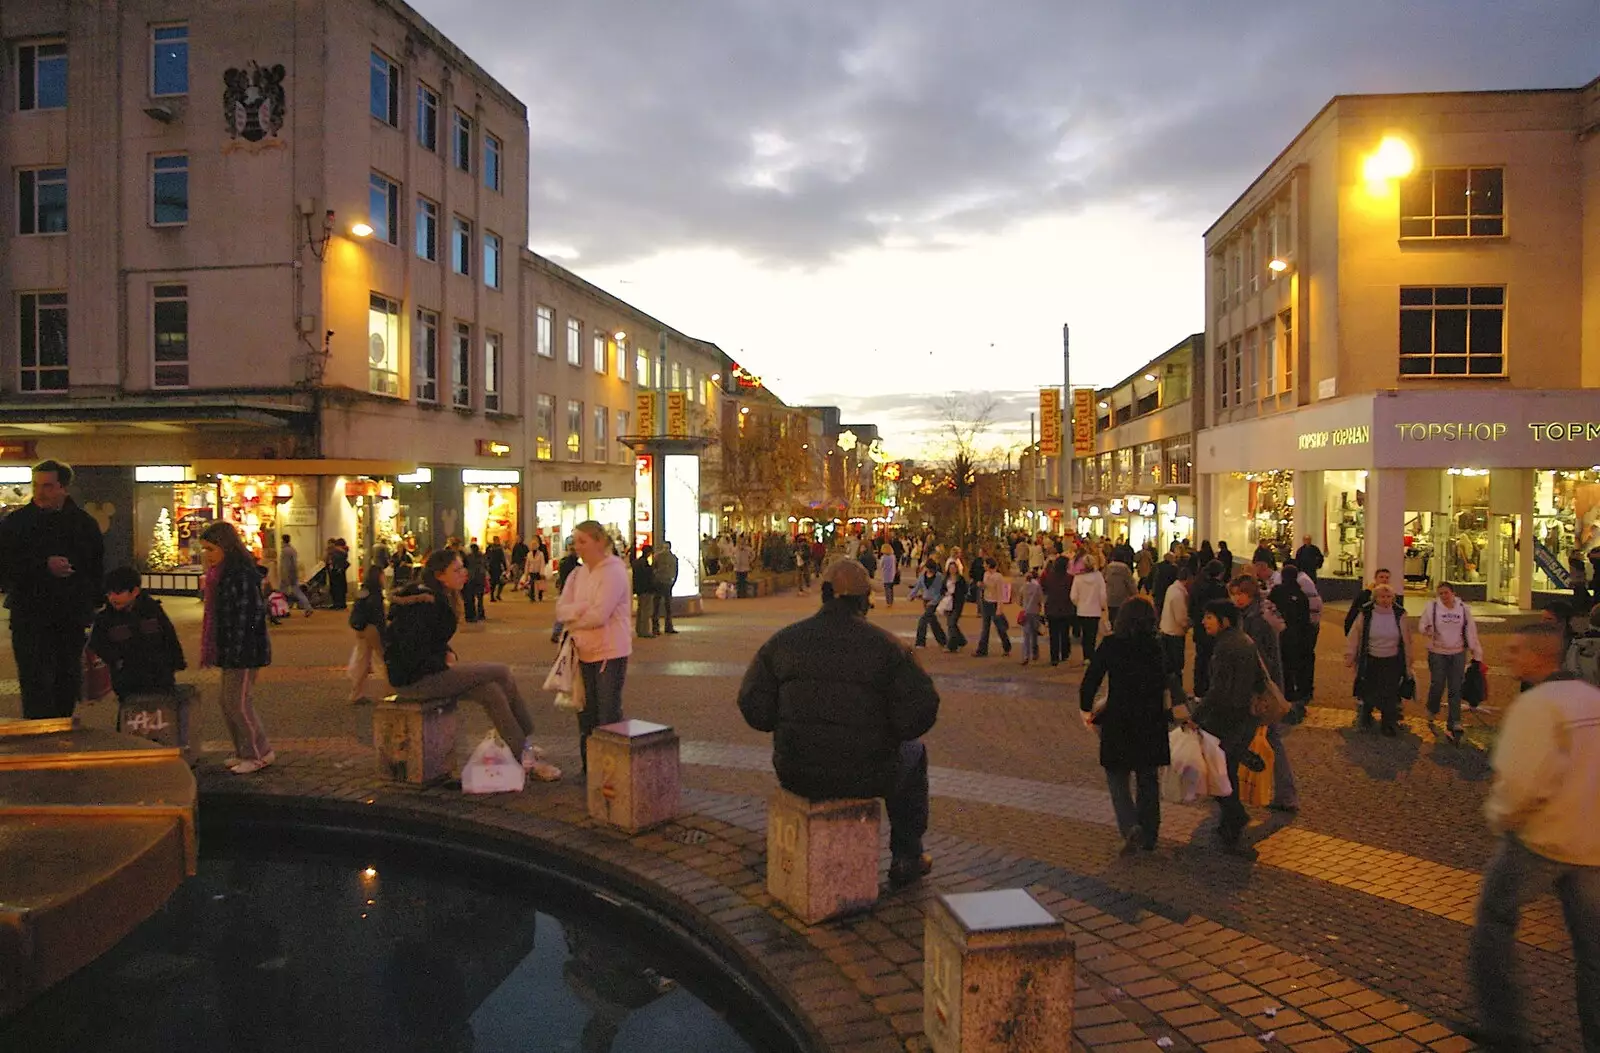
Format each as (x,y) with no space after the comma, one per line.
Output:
(620,336)
(716,378)
(284,492)
(1393,159)
(361,230)
(1150,376)
(1104,406)
(1277,265)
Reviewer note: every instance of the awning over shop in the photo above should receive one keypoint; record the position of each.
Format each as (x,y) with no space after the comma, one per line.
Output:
(302,466)
(171,411)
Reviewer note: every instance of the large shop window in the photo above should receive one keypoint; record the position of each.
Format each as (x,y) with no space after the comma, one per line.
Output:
(1566,522)
(1452,331)
(1344,523)
(167,521)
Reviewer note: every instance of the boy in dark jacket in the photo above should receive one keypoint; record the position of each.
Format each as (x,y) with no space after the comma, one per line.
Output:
(135,638)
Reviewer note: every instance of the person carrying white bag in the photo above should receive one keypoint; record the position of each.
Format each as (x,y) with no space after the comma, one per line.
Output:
(593,608)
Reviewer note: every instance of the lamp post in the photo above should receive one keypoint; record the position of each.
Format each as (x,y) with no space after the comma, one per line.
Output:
(1068,440)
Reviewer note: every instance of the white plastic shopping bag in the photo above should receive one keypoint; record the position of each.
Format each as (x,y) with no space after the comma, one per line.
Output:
(1184,779)
(1218,782)
(564,678)
(492,768)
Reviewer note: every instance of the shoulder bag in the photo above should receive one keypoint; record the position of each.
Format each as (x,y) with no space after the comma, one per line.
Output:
(1268,705)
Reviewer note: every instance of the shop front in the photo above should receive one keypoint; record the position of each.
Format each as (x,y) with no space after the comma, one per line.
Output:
(604,494)
(490,505)
(1493,492)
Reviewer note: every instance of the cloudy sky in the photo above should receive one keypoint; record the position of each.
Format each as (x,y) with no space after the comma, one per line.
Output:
(873,203)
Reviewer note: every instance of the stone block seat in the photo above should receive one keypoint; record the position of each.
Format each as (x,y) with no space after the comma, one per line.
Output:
(414,738)
(822,856)
(633,775)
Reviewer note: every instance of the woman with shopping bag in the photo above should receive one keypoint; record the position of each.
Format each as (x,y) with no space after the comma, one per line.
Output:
(422,619)
(593,609)
(1225,711)
(1133,721)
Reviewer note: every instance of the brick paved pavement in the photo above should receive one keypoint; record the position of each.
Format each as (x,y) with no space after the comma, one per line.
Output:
(1363,900)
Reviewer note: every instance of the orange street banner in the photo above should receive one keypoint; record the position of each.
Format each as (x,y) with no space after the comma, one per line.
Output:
(1050,422)
(1083,420)
(678,414)
(644,411)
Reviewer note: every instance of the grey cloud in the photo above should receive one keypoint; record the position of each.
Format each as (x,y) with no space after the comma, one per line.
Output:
(793,132)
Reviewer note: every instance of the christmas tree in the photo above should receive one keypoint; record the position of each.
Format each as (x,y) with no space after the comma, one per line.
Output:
(164,544)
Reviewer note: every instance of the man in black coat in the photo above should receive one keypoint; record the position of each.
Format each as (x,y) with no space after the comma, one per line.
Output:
(1308,557)
(52,561)
(846,703)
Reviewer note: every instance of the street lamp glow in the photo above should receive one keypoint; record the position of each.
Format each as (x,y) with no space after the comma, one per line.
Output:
(1392,159)
(619,336)
(1149,376)
(1103,406)
(744,409)
(361,230)
(716,378)
(1277,265)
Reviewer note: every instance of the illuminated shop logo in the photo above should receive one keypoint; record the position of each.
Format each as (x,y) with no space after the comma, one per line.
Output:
(1578,431)
(1459,431)
(1356,435)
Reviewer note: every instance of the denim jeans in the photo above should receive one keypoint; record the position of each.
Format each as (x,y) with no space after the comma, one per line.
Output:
(1030,637)
(990,612)
(907,803)
(1143,812)
(952,629)
(1514,877)
(602,699)
(1445,673)
(930,622)
(1284,792)
(888,593)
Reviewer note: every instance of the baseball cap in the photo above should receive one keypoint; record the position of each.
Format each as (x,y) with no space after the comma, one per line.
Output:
(847,578)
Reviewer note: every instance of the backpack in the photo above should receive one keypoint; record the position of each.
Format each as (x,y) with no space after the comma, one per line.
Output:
(1583,658)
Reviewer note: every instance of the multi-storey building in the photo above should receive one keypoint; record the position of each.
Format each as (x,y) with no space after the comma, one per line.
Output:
(1404,341)
(257,265)
(1138,484)
(590,358)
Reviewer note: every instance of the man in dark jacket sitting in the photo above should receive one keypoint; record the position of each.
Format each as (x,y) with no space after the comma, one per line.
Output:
(846,703)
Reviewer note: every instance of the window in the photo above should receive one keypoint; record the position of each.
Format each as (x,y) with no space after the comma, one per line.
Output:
(545,333)
(1221,353)
(491,372)
(574,430)
(169,190)
(600,417)
(544,427)
(383,208)
(600,353)
(1452,330)
(461,141)
(42,339)
(1269,358)
(677,375)
(1252,364)
(427,229)
(1179,457)
(574,342)
(427,118)
(385,90)
(42,201)
(461,246)
(1287,351)
(170,336)
(1253,263)
(1237,353)
(688,383)
(425,356)
(491,260)
(619,355)
(1453,203)
(493,151)
(461,367)
(641,366)
(1235,285)
(169,60)
(42,76)
(383,345)
(624,421)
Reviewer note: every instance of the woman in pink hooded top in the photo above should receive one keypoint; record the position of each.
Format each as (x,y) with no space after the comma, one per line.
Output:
(594,609)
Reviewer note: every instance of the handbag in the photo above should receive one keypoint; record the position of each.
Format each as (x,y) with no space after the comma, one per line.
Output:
(358,612)
(1268,705)
(1475,685)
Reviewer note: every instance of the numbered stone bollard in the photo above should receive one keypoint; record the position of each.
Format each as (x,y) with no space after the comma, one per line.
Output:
(997,975)
(822,856)
(633,774)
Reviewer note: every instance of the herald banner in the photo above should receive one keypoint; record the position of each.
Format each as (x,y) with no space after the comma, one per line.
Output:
(1050,422)
(1083,419)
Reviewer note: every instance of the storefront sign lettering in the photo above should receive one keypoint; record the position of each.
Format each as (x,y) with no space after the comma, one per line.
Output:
(1356,435)
(1463,431)
(580,486)
(1576,431)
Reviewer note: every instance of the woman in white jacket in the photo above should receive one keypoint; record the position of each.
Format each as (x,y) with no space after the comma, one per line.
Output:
(1089,597)
(593,608)
(1451,635)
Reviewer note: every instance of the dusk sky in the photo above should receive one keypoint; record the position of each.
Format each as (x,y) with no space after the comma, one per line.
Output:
(872,204)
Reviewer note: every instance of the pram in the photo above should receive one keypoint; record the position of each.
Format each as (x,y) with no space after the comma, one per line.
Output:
(317,588)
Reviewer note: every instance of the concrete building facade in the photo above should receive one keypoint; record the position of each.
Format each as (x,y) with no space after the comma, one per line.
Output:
(1404,340)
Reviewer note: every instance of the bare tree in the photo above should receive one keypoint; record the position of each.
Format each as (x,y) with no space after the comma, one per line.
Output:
(965,420)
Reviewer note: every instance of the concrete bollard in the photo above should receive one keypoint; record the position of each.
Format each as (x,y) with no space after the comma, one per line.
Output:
(633,775)
(415,738)
(822,856)
(997,976)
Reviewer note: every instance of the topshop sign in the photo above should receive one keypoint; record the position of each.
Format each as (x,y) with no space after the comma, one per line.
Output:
(1485,431)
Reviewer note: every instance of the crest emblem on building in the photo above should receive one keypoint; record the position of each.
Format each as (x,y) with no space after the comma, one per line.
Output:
(253,107)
